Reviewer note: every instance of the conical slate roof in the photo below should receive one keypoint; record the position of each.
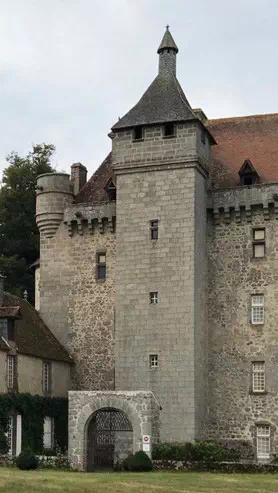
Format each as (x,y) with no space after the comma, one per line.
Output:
(167,42)
(164,101)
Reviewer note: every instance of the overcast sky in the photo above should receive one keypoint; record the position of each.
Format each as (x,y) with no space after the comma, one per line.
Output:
(69,68)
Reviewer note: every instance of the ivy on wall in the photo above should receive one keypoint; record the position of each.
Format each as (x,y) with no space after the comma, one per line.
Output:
(33,409)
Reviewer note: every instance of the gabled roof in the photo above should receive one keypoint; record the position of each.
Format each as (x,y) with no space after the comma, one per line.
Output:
(32,336)
(94,190)
(164,101)
(255,137)
(247,169)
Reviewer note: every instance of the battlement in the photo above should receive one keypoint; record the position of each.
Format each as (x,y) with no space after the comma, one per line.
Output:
(94,218)
(238,203)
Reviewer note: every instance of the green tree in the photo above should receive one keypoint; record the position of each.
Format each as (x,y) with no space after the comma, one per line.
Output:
(19,236)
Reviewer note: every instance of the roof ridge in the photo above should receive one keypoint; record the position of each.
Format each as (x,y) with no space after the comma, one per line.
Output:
(242,117)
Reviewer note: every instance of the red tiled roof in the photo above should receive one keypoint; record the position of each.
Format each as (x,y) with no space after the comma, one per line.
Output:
(239,138)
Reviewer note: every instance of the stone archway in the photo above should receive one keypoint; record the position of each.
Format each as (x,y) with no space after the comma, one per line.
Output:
(109,439)
(140,407)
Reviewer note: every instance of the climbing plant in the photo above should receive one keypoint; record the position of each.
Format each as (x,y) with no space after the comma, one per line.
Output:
(33,409)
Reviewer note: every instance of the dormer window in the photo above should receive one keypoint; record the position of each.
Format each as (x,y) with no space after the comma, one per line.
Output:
(138,133)
(169,130)
(248,174)
(111,190)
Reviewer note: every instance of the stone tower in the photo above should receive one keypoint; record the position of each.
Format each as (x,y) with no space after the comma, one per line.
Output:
(160,152)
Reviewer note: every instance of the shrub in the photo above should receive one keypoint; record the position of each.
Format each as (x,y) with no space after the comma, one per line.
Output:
(199,452)
(27,460)
(138,462)
(4,447)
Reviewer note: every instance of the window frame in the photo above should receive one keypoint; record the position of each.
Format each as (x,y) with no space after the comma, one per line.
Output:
(101,265)
(153,361)
(165,133)
(51,432)
(256,376)
(259,439)
(154,225)
(46,388)
(11,372)
(134,137)
(153,296)
(253,309)
(258,242)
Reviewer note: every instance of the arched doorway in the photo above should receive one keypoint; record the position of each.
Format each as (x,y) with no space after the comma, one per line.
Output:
(109,438)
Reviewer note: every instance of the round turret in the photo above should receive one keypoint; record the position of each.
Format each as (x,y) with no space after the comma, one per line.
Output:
(53,195)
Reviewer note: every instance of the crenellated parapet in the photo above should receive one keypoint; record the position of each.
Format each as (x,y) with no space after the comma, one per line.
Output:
(239,203)
(81,217)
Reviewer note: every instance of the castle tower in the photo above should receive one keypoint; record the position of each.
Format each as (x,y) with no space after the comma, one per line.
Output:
(161,152)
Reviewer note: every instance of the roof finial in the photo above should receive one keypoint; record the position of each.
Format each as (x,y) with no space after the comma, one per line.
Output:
(167,27)
(167,42)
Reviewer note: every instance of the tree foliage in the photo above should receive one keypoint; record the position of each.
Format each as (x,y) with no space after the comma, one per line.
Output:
(19,237)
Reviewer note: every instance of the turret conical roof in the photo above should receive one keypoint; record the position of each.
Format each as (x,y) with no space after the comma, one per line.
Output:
(167,42)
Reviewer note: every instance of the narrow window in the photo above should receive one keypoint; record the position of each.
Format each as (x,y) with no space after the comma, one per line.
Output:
(46,368)
(101,266)
(257,309)
(11,372)
(138,133)
(263,441)
(11,434)
(258,376)
(153,360)
(11,330)
(169,129)
(203,136)
(4,328)
(154,229)
(48,433)
(153,297)
(259,243)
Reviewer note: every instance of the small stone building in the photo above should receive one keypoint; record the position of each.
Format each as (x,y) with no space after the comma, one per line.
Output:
(159,276)
(32,361)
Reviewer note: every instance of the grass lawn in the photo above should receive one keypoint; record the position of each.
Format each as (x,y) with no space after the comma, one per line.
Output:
(42,481)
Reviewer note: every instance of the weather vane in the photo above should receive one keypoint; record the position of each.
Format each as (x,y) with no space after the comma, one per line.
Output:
(167,27)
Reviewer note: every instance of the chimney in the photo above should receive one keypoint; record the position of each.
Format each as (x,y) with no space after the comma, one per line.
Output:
(78,176)
(1,289)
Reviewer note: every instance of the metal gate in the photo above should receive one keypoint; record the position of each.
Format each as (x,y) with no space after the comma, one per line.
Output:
(102,431)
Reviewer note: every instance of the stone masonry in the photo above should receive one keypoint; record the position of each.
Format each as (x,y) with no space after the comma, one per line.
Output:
(164,167)
(140,407)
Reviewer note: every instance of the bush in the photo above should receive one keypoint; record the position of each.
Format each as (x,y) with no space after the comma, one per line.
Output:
(27,460)
(138,462)
(199,452)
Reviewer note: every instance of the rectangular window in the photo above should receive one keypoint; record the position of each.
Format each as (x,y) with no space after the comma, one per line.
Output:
(258,243)
(138,133)
(48,433)
(11,330)
(257,309)
(153,297)
(263,441)
(169,130)
(46,376)
(11,372)
(154,229)
(101,266)
(11,434)
(153,360)
(258,376)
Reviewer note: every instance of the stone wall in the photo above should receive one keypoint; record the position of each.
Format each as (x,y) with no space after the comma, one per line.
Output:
(168,267)
(29,375)
(234,343)
(141,408)
(78,308)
